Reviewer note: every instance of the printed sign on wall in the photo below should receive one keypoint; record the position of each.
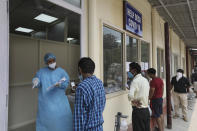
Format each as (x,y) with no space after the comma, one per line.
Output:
(132,19)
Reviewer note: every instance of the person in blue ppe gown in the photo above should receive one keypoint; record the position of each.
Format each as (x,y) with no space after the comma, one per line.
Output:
(54,113)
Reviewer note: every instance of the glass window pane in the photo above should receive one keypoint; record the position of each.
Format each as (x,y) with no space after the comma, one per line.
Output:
(144,51)
(63,26)
(74,2)
(144,56)
(112,43)
(160,63)
(132,49)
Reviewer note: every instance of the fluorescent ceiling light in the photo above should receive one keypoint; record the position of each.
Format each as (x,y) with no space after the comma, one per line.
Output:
(193,49)
(45,18)
(26,30)
(70,39)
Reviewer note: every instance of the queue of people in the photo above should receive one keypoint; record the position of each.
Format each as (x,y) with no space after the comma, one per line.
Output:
(54,112)
(141,92)
(144,93)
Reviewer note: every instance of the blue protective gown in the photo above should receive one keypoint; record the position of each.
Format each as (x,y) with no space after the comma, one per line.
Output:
(54,113)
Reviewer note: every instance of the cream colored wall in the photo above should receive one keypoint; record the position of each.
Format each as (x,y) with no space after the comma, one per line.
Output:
(189,64)
(183,56)
(26,57)
(145,9)
(110,12)
(117,103)
(178,47)
(158,39)
(158,35)
(175,50)
(175,43)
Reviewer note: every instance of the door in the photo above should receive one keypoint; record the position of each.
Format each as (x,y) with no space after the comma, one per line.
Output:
(4,66)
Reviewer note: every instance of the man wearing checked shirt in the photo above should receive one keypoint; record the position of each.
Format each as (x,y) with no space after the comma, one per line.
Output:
(89,99)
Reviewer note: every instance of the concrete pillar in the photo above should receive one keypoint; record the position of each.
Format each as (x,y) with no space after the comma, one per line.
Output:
(92,31)
(154,44)
(168,87)
(93,41)
(84,29)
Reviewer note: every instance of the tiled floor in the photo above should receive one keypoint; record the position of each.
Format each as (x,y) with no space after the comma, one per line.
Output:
(179,124)
(191,125)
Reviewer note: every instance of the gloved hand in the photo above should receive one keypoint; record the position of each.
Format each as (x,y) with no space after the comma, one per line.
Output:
(57,84)
(35,82)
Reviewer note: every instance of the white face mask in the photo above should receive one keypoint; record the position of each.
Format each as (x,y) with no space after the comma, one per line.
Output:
(178,75)
(53,65)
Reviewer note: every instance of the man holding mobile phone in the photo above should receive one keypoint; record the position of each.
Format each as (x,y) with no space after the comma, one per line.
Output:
(89,99)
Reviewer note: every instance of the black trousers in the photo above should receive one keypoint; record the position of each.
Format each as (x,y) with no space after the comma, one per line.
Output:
(141,119)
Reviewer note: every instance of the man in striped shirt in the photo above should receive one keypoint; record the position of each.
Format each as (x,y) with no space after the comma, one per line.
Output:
(89,99)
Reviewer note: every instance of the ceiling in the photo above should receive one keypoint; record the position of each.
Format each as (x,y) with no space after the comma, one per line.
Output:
(181,16)
(23,12)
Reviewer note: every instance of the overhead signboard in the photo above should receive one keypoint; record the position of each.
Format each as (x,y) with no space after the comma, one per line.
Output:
(132,19)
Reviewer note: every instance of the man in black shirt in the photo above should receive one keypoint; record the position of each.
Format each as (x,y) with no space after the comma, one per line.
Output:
(181,85)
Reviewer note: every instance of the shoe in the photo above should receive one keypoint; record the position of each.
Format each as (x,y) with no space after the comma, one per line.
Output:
(176,116)
(185,119)
(156,129)
(189,98)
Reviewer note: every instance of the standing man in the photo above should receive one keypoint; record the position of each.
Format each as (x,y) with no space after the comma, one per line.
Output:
(180,84)
(156,97)
(139,97)
(54,113)
(89,99)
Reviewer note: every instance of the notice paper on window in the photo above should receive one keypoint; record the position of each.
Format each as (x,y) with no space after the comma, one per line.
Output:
(146,66)
(142,66)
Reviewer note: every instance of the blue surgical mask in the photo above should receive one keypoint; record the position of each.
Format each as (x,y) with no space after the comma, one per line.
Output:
(130,75)
(80,77)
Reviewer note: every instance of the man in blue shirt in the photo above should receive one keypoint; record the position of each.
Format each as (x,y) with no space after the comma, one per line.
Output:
(89,99)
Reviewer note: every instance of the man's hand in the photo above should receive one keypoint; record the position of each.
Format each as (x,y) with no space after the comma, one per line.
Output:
(74,87)
(136,103)
(57,85)
(35,82)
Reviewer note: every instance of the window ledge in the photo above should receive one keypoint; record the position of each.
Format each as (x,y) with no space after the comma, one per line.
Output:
(115,94)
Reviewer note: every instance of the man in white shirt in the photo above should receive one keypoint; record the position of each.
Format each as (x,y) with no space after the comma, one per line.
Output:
(139,97)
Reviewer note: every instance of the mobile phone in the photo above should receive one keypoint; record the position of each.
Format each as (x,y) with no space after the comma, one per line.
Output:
(72,84)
